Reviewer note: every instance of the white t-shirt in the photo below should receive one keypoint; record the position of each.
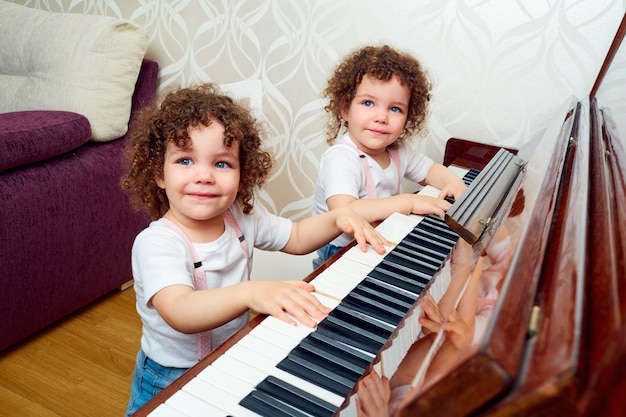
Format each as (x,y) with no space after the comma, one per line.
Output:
(160,258)
(341,172)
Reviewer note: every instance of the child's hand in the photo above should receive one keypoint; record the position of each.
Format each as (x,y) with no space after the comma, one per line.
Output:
(373,396)
(423,204)
(350,222)
(277,298)
(453,189)
(432,320)
(460,333)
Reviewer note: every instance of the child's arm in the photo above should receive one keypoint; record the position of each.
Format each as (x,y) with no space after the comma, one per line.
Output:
(377,209)
(447,181)
(316,231)
(189,311)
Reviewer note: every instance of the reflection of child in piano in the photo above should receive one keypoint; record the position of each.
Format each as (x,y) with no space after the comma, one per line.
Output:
(465,326)
(196,161)
(381,96)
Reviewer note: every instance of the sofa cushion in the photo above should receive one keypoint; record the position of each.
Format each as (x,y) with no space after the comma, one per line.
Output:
(31,136)
(85,64)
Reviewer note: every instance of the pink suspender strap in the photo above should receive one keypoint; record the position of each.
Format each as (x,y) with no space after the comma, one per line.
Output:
(230,219)
(199,277)
(393,153)
(370,185)
(199,282)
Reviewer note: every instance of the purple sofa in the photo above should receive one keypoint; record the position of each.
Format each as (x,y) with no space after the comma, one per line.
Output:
(66,228)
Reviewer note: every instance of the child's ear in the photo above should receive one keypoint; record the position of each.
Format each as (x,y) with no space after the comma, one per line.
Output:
(159,181)
(345,112)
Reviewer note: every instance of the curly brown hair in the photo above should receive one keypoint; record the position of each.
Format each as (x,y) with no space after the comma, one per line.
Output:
(382,63)
(180,111)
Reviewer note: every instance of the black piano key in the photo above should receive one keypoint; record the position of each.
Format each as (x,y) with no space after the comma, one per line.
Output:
(364,321)
(427,242)
(337,348)
(397,279)
(333,363)
(470,176)
(361,302)
(350,334)
(316,374)
(434,262)
(415,276)
(440,229)
(267,406)
(415,242)
(294,396)
(404,299)
(414,265)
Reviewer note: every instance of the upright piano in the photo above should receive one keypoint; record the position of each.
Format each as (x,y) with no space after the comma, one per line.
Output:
(549,339)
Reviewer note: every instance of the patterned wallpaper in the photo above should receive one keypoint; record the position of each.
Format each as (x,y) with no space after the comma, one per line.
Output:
(500,68)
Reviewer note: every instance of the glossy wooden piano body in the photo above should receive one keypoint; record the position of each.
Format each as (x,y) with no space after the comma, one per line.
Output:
(556,341)
(556,345)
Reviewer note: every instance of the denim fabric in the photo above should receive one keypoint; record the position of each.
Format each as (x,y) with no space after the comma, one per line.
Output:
(149,378)
(324,253)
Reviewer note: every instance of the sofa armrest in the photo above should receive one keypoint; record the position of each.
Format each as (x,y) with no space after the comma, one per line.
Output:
(146,86)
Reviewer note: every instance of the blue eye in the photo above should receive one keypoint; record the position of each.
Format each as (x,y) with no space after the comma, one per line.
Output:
(368,103)
(185,161)
(396,109)
(222,165)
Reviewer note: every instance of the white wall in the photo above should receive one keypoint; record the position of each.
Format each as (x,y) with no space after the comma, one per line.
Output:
(500,67)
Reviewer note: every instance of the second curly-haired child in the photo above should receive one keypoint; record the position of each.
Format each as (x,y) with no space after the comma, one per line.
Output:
(379,96)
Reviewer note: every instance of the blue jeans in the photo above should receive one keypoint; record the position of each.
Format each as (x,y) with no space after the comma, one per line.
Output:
(149,378)
(324,253)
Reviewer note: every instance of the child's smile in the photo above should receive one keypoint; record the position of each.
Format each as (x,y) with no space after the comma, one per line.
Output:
(377,114)
(201,181)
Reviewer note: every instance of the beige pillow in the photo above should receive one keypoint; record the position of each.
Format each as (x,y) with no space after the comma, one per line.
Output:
(73,62)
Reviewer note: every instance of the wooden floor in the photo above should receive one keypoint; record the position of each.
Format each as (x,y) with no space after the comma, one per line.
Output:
(80,366)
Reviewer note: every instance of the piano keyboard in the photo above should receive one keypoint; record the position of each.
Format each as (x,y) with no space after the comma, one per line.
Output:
(282,370)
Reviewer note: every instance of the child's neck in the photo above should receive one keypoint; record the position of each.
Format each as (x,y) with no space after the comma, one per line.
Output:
(381,156)
(199,231)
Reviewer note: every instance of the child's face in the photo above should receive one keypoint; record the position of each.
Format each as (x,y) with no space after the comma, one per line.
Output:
(377,114)
(201,181)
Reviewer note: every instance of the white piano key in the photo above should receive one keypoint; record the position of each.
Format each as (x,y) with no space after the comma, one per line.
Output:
(328,302)
(192,406)
(164,410)
(268,366)
(397,226)
(342,281)
(349,266)
(370,257)
(238,369)
(230,382)
(299,332)
(254,374)
(262,347)
(459,171)
(345,274)
(429,190)
(213,395)
(277,338)
(329,289)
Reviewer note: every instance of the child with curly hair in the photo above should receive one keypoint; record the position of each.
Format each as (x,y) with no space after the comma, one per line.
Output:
(195,162)
(380,96)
